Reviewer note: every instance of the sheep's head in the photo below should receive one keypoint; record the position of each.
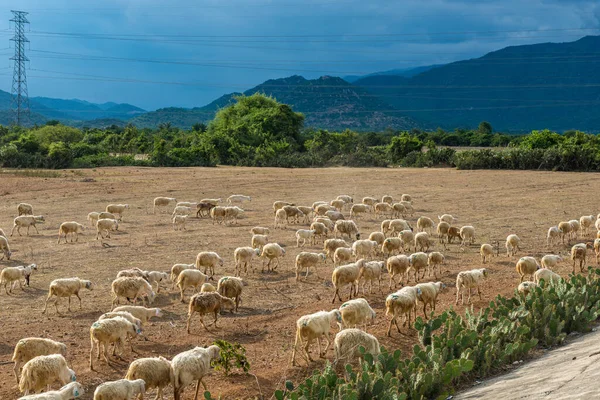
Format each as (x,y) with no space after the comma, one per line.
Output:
(39,218)
(358,236)
(214,352)
(63,349)
(89,285)
(151,297)
(227,304)
(323,256)
(484,271)
(158,312)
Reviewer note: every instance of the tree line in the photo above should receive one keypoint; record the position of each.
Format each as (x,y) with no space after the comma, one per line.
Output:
(259,131)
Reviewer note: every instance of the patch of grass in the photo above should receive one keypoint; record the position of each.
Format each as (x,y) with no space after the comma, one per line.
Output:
(37,173)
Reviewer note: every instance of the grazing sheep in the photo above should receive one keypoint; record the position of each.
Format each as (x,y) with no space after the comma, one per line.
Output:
(203,209)
(320,230)
(453,232)
(41,372)
(307,211)
(357,312)
(347,275)
(126,315)
(5,248)
(585,223)
(547,275)
(243,257)
(334,216)
(377,237)
(397,265)
(258,241)
(398,225)
(442,232)
(383,208)
(327,222)
(233,213)
(232,287)
(12,275)
(317,204)
(207,288)
(526,287)
(403,302)
(347,199)
(467,234)
(179,222)
(314,326)
(209,260)
(551,260)
(371,272)
(271,251)
(259,230)
(117,209)
(486,251)
(512,245)
(142,313)
(238,198)
(391,245)
(193,365)
(304,235)
(176,270)
(131,288)
(579,252)
(108,331)
(278,205)
(385,226)
(107,215)
(553,235)
(307,260)
(364,249)
(425,224)
(122,389)
(370,201)
(156,372)
(106,225)
(435,260)
(447,218)
(294,213)
(422,241)
(387,199)
(470,280)
(358,209)
(406,197)
(214,202)
(527,266)
(25,209)
(190,278)
(29,348)
(331,245)
(342,255)
(280,219)
(399,210)
(93,217)
(162,202)
(418,262)
(428,294)
(338,204)
(408,238)
(565,228)
(66,287)
(321,209)
(27,221)
(181,210)
(72,228)
(574,228)
(71,390)
(347,344)
(208,302)
(218,214)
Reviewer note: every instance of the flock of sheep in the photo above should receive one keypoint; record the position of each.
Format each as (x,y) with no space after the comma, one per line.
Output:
(359,263)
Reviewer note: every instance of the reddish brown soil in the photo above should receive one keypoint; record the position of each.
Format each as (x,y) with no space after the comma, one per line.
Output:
(497,203)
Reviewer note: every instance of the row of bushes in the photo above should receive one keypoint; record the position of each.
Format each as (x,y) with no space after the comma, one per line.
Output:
(456,349)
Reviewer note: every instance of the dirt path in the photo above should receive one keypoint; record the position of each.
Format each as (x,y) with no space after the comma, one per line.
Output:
(569,372)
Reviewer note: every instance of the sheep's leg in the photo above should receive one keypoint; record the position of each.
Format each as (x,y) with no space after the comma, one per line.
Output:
(389,331)
(479,292)
(189,320)
(16,370)
(69,308)
(319,346)
(306,352)
(573,267)
(36,230)
(425,310)
(396,322)
(197,389)
(202,322)
(328,344)
(158,394)
(216,317)
(105,353)
(457,294)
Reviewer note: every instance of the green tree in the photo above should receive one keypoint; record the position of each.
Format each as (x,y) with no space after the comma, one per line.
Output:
(485,128)
(59,155)
(402,145)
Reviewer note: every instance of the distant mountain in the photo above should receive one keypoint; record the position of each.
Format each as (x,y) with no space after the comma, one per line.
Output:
(328,103)
(405,72)
(518,88)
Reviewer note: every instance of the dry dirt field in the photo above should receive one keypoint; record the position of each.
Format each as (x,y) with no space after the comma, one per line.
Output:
(497,203)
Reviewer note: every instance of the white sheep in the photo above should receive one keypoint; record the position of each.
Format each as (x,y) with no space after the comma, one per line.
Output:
(343,227)
(547,275)
(364,249)
(564,228)
(41,372)
(358,209)
(117,209)
(342,255)
(526,287)
(321,209)
(122,389)
(312,327)
(370,201)
(66,287)
(193,365)
(304,235)
(347,199)
(214,202)
(218,214)
(579,253)
(401,303)
(486,251)
(238,198)
(258,241)
(391,245)
(338,204)
(470,280)
(28,348)
(27,221)
(422,241)
(397,265)
(398,225)
(327,222)
(347,344)
(162,202)
(307,211)
(294,213)
(272,251)
(447,218)
(347,275)
(409,207)
(399,210)
(205,303)
(203,209)
(331,245)
(553,235)
(418,262)
(176,270)
(320,229)
(278,205)
(209,260)
(131,288)
(5,248)
(93,217)
(179,222)
(306,260)
(385,226)
(207,288)
(315,204)
(233,213)
(280,219)
(408,238)
(574,228)
(467,234)
(25,209)
(357,312)
(73,390)
(109,331)
(181,210)
(585,222)
(428,294)
(387,199)
(259,230)
(190,204)
(232,287)
(425,224)
(551,260)
(371,272)
(106,225)
(190,278)
(156,372)
(334,216)
(11,275)
(243,258)
(383,208)
(442,232)
(377,237)
(72,228)
(142,313)
(433,263)
(107,215)
(126,315)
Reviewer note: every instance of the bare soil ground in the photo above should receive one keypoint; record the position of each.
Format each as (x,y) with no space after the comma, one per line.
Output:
(497,203)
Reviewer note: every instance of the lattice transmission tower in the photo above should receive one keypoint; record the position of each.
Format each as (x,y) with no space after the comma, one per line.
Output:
(20,96)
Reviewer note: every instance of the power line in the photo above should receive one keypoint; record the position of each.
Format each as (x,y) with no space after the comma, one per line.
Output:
(19,92)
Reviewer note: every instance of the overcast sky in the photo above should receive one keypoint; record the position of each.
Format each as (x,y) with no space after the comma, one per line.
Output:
(187,53)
